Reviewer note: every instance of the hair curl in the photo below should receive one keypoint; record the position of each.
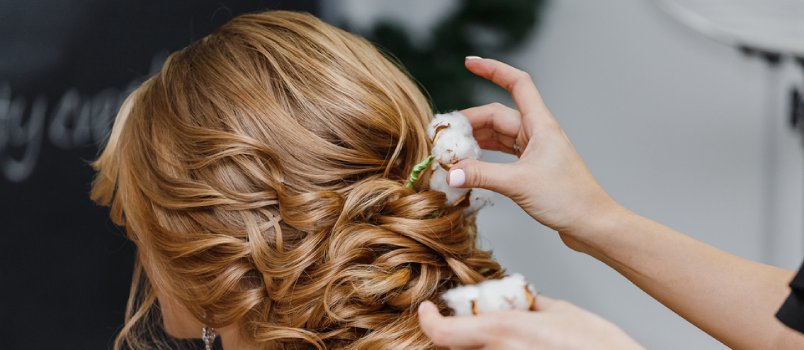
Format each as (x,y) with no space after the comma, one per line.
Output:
(261,174)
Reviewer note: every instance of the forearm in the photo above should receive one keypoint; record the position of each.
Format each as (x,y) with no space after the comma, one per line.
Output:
(731,298)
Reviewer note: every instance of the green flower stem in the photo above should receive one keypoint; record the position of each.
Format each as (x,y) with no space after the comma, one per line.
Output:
(417,170)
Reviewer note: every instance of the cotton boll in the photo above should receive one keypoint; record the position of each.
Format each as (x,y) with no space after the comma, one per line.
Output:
(461,299)
(509,293)
(493,297)
(478,199)
(452,146)
(453,141)
(438,182)
(455,120)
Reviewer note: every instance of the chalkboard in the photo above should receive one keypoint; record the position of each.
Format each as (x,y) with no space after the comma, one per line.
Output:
(65,67)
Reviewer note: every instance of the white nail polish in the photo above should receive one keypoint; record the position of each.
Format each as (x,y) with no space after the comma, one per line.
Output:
(457,178)
(474,58)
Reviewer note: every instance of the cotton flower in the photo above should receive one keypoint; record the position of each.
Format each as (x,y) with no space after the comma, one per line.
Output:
(462,299)
(452,142)
(478,198)
(455,120)
(509,293)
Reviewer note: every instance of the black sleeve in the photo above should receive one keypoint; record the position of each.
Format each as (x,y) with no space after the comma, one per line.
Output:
(792,311)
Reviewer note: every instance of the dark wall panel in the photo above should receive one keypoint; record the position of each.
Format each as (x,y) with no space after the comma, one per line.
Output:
(64,68)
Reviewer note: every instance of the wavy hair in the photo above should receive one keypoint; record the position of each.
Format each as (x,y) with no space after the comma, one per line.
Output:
(261,175)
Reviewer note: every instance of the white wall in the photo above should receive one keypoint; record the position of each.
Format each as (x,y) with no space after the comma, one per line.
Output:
(675,126)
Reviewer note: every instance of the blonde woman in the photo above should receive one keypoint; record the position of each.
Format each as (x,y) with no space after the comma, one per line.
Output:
(261,175)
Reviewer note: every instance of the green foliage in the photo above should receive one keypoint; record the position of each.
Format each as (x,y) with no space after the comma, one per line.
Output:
(477,27)
(417,170)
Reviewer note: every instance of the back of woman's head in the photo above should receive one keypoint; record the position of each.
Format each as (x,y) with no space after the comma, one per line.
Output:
(262,176)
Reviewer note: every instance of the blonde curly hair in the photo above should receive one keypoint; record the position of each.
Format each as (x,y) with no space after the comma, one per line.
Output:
(261,175)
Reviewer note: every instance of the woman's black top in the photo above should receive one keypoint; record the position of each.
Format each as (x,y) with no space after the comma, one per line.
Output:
(792,311)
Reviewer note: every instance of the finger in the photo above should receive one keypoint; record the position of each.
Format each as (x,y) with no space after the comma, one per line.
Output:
(476,174)
(488,134)
(544,303)
(483,135)
(454,332)
(517,82)
(494,145)
(494,116)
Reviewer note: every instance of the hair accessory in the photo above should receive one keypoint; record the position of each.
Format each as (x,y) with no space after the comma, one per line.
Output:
(451,134)
(509,293)
(453,141)
(208,335)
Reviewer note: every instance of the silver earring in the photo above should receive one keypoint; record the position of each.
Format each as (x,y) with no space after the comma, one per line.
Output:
(208,335)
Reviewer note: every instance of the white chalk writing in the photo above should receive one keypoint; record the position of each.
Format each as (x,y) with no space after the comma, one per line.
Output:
(75,120)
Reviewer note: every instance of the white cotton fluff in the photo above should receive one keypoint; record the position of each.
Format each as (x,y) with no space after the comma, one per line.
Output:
(452,147)
(461,299)
(509,293)
(455,142)
(478,199)
(456,121)
(438,182)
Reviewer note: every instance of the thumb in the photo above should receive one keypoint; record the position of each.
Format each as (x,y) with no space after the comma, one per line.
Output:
(471,173)
(544,303)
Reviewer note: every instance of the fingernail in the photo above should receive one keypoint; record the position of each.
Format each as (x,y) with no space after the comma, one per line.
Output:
(422,306)
(474,57)
(456,178)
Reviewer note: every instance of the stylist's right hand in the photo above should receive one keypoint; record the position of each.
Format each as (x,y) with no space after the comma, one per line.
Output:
(549,180)
(557,325)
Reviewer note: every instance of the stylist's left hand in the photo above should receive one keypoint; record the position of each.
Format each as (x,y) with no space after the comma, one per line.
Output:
(557,325)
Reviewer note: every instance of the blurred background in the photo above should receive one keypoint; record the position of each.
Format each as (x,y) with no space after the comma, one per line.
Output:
(685,110)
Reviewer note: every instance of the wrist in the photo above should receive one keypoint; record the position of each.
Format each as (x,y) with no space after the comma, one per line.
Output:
(596,226)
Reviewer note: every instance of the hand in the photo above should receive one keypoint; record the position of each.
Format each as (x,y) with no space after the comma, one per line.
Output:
(549,181)
(557,325)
